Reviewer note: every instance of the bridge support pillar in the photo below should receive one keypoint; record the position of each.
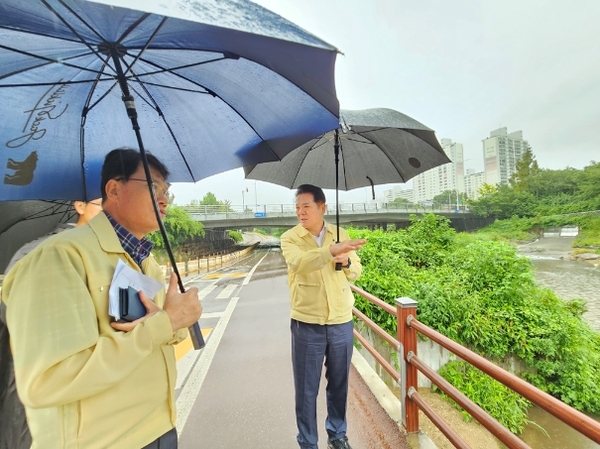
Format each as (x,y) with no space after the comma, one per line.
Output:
(407,337)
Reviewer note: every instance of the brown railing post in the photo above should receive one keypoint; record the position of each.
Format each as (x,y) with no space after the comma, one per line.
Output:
(408,344)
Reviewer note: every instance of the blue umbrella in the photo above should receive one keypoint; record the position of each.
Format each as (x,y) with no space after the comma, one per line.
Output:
(217,85)
(214,85)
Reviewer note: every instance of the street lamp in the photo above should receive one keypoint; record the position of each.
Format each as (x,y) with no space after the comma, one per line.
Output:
(255,198)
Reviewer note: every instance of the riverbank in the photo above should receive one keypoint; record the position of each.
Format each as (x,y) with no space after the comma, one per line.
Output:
(565,273)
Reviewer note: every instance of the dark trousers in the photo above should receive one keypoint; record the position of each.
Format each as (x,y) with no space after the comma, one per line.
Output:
(166,441)
(311,344)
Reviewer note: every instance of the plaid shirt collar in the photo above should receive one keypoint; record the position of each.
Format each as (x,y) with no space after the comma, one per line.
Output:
(136,248)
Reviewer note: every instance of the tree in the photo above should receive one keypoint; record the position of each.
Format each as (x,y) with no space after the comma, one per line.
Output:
(180,227)
(449,197)
(526,173)
(210,200)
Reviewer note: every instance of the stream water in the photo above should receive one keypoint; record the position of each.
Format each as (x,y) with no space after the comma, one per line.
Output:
(568,279)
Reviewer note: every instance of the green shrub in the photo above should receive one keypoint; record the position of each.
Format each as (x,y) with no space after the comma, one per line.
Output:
(482,294)
(509,408)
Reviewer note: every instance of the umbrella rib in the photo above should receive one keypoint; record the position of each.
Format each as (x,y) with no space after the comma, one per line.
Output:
(313,147)
(81,39)
(183,89)
(150,39)
(86,108)
(186,66)
(49,211)
(214,94)
(156,107)
(84,112)
(54,83)
(49,60)
(76,15)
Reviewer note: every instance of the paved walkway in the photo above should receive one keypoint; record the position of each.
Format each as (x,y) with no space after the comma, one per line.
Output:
(238,391)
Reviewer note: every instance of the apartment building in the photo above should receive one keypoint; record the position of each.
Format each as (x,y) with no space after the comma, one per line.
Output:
(501,152)
(473,182)
(445,177)
(397,192)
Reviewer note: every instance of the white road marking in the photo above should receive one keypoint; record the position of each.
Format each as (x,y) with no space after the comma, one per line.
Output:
(249,275)
(212,314)
(227,291)
(206,290)
(190,391)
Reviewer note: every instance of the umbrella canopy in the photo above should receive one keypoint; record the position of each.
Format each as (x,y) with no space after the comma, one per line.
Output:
(376,146)
(217,85)
(24,221)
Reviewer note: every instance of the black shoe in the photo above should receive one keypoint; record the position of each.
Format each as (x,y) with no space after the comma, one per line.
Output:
(342,443)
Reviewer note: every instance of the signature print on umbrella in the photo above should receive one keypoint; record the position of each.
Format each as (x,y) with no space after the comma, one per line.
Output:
(45,109)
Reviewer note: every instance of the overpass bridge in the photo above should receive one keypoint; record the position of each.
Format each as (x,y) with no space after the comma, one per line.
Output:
(370,215)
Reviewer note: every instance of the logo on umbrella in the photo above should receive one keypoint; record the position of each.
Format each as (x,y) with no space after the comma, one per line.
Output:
(43,109)
(23,170)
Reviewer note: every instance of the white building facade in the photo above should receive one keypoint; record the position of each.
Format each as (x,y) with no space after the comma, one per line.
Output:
(397,192)
(445,177)
(501,152)
(473,182)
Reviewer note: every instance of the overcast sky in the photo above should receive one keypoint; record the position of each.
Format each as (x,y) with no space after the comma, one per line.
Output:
(461,67)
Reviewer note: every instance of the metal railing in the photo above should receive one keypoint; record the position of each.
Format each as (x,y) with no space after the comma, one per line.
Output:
(406,344)
(206,263)
(230,211)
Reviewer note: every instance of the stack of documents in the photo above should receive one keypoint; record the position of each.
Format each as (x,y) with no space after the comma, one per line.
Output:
(125,277)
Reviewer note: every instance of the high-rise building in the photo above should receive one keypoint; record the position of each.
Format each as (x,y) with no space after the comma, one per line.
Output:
(473,182)
(444,177)
(501,152)
(397,192)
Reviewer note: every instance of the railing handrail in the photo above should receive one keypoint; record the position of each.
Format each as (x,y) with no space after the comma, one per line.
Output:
(235,210)
(570,416)
(408,326)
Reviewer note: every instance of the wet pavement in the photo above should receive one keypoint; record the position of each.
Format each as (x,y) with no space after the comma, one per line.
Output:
(238,391)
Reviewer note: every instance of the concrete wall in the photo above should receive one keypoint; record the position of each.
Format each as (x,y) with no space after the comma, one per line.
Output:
(432,354)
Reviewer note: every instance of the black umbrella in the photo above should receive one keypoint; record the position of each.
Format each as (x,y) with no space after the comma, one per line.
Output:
(219,85)
(370,147)
(24,221)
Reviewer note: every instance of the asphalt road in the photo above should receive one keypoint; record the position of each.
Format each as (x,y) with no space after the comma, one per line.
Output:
(238,392)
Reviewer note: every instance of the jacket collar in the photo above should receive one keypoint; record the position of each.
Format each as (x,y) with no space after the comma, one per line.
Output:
(107,238)
(303,232)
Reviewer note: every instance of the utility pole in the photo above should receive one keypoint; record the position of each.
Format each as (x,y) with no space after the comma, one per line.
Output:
(255,198)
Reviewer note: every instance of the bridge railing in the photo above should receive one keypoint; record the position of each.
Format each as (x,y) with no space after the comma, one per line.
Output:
(230,211)
(406,344)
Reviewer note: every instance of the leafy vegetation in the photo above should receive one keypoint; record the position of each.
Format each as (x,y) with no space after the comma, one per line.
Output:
(236,236)
(480,293)
(535,192)
(180,227)
(489,393)
(210,199)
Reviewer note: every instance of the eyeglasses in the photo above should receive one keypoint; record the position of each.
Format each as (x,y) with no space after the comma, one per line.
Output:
(95,204)
(157,189)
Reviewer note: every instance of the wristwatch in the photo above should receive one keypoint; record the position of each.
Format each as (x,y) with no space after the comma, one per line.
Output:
(348,265)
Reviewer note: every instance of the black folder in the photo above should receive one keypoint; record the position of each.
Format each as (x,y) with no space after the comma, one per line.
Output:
(130,305)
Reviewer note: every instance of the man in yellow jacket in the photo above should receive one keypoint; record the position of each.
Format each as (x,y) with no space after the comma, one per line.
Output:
(87,381)
(14,433)
(321,315)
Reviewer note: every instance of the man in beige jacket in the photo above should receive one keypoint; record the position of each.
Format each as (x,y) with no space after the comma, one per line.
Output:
(87,381)
(321,315)
(14,433)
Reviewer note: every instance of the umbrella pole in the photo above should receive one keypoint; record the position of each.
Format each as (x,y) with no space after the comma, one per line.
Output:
(336,147)
(195,332)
